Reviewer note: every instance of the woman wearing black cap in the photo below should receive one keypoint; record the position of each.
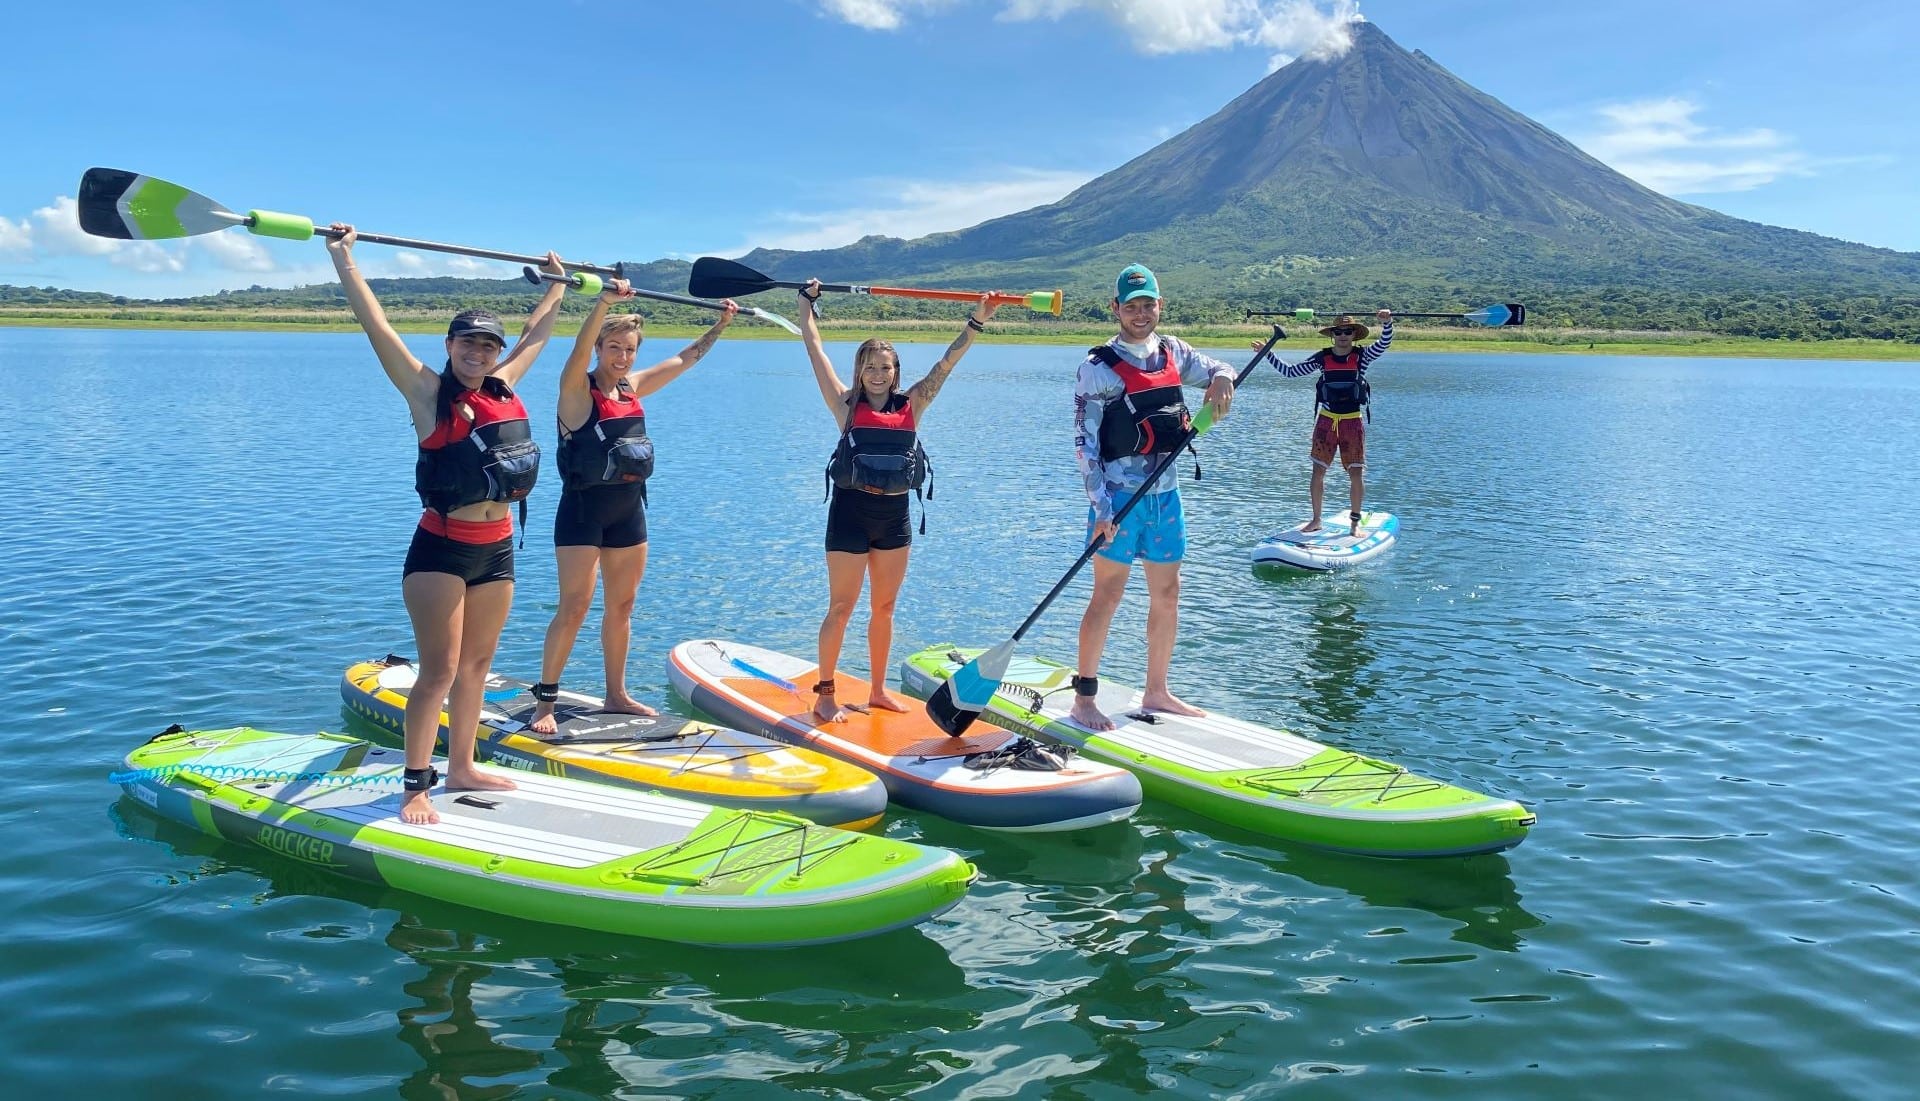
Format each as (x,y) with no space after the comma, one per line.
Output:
(476,457)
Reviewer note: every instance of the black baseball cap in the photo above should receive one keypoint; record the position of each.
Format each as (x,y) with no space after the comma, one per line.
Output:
(478,321)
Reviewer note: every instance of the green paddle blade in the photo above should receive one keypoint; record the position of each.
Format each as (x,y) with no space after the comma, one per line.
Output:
(714,277)
(127,206)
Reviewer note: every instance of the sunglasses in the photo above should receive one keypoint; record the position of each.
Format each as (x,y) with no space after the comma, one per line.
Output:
(1345,332)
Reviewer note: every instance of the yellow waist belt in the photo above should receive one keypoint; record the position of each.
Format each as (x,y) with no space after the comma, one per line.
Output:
(1338,417)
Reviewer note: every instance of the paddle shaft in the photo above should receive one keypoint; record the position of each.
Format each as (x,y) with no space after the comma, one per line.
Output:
(1201,422)
(534,275)
(458,250)
(906,292)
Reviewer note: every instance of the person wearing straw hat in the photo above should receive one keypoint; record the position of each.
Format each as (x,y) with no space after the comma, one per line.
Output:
(1128,413)
(1340,402)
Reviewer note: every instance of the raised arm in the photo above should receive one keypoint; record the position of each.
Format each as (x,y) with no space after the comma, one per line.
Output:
(1305,367)
(413,379)
(1379,347)
(576,395)
(831,389)
(653,378)
(922,393)
(539,326)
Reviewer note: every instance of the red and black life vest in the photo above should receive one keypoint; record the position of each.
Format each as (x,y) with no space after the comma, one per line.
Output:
(481,447)
(1342,388)
(612,447)
(1151,417)
(880,448)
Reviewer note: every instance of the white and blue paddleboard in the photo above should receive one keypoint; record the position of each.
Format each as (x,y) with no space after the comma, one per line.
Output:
(1333,546)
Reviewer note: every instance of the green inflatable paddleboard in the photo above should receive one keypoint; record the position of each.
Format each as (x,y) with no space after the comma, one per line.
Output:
(555,849)
(1253,777)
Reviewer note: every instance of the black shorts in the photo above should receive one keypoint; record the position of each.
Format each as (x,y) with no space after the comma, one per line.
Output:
(602,516)
(859,522)
(474,563)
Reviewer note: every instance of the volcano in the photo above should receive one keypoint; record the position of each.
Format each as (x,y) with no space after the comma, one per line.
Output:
(1377,170)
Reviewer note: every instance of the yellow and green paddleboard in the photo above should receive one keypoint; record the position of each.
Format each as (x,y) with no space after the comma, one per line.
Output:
(665,753)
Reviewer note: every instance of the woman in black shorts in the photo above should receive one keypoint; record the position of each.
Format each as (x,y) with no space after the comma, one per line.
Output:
(605,458)
(878,461)
(476,457)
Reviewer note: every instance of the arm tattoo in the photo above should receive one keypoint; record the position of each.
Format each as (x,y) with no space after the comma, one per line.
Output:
(691,354)
(937,377)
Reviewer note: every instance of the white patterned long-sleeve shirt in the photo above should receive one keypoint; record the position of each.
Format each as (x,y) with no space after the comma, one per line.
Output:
(1096,386)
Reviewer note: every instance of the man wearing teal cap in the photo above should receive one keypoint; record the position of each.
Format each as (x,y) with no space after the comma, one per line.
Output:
(1128,413)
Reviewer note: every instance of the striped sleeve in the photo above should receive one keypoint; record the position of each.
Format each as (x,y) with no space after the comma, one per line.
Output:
(1301,369)
(1379,347)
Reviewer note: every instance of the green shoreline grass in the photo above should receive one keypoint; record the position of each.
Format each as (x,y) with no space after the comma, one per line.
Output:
(1406,337)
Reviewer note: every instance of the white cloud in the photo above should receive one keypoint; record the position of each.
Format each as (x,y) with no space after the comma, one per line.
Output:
(1290,28)
(15,236)
(415,265)
(149,257)
(877,15)
(236,252)
(914,208)
(1658,143)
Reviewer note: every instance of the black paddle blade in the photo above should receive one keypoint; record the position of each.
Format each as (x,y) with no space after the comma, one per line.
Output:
(714,277)
(947,712)
(99,202)
(1517,314)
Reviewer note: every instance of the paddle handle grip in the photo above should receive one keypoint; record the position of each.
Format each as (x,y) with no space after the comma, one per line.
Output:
(584,282)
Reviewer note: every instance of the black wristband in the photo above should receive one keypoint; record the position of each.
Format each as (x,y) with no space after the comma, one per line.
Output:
(975,324)
(814,297)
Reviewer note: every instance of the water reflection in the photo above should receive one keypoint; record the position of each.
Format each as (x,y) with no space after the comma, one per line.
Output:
(1475,892)
(453,1041)
(489,1002)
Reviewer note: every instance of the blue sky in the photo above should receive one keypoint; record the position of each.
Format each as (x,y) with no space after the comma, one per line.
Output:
(645,128)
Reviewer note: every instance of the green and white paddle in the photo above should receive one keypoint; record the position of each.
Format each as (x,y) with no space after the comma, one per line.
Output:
(128,206)
(1495,316)
(961,697)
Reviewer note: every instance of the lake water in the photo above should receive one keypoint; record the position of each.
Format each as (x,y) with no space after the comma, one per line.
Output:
(1667,603)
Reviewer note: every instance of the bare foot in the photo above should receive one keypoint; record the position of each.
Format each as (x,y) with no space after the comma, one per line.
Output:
(1168,702)
(543,719)
(472,779)
(624,704)
(885,700)
(1311,525)
(416,809)
(1087,715)
(828,710)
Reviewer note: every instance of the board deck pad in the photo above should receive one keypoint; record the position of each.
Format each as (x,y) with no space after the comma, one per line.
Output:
(675,754)
(965,778)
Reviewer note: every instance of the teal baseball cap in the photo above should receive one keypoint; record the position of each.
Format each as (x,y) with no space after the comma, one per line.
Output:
(1135,280)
